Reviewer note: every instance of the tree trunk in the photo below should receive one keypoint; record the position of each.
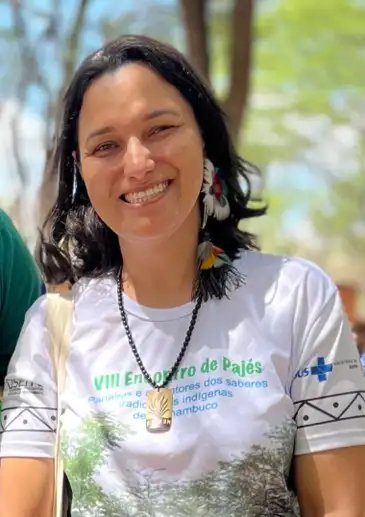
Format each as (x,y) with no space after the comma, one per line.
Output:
(49,183)
(236,101)
(194,16)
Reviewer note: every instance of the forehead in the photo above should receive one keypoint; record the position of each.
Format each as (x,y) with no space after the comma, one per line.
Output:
(130,90)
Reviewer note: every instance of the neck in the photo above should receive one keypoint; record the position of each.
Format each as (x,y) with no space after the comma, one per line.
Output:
(160,273)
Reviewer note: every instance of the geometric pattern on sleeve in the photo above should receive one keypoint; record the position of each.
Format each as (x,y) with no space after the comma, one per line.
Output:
(29,418)
(330,408)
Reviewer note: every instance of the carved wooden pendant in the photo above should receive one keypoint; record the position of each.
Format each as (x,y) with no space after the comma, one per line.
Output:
(159,410)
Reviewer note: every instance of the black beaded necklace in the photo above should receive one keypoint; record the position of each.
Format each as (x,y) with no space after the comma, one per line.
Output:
(159,400)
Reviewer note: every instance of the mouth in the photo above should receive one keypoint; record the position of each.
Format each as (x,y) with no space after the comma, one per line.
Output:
(144,196)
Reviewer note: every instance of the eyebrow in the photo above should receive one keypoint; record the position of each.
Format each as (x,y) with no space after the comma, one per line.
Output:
(158,113)
(149,116)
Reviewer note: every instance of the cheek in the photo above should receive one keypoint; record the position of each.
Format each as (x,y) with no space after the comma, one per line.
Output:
(96,185)
(187,156)
(192,169)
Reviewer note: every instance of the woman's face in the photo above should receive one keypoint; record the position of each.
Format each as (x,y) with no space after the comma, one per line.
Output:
(141,154)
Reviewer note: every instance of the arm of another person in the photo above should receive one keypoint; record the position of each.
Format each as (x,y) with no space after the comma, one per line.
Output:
(20,286)
(329,401)
(28,423)
(26,487)
(331,483)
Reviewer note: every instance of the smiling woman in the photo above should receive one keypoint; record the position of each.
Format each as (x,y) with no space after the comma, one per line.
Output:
(182,393)
(155,122)
(141,168)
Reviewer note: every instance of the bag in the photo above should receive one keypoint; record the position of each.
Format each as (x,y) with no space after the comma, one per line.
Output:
(59,315)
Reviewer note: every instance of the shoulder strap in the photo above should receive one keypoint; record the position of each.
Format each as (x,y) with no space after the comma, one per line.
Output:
(59,315)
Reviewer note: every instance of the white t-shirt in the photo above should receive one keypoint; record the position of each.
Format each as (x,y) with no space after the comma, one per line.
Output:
(271,372)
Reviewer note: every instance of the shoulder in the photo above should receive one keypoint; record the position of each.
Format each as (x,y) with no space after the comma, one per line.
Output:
(100,286)
(35,316)
(285,277)
(8,231)
(94,292)
(5,221)
(20,285)
(14,249)
(268,267)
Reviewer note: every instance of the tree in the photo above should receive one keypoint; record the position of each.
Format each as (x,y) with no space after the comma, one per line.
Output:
(85,453)
(240,20)
(297,78)
(308,83)
(34,74)
(69,59)
(45,44)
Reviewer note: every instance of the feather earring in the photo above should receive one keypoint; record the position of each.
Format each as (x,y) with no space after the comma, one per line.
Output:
(217,275)
(215,193)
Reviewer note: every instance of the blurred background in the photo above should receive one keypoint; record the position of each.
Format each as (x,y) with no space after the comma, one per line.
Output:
(289,73)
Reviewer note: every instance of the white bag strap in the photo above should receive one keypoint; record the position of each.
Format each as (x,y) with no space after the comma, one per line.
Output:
(59,315)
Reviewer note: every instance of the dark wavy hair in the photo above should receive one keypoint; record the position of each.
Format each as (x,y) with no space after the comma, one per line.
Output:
(74,241)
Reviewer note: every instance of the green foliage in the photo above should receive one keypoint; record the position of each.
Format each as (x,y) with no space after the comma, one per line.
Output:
(342,217)
(308,60)
(249,483)
(308,63)
(270,228)
(311,47)
(85,452)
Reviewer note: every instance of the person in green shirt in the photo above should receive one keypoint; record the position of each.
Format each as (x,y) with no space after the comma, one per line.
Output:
(20,286)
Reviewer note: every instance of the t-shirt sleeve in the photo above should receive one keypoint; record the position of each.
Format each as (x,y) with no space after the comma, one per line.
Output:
(328,386)
(20,286)
(29,413)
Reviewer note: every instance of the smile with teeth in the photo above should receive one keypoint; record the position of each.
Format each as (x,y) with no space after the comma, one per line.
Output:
(146,195)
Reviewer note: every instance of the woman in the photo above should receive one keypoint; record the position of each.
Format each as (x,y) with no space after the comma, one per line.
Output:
(199,370)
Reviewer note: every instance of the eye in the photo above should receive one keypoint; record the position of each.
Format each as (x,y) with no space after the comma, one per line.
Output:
(160,129)
(105,147)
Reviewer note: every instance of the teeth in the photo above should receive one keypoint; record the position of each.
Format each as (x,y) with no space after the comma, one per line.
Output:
(146,195)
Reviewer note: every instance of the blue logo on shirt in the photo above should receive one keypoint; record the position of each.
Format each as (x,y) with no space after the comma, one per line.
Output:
(321,370)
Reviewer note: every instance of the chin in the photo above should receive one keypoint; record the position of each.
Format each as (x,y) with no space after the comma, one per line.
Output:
(148,232)
(154,234)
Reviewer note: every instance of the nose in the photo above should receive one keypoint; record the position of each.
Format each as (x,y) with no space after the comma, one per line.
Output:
(137,159)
